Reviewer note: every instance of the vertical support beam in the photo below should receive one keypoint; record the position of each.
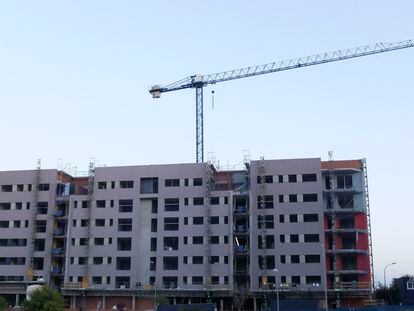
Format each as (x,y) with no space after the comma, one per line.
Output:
(221,305)
(17,302)
(199,125)
(103,302)
(254,304)
(175,300)
(133,302)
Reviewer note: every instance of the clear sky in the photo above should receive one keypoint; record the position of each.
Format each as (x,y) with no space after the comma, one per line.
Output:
(74,78)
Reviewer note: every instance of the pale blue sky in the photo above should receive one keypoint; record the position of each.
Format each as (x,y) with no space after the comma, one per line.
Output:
(74,78)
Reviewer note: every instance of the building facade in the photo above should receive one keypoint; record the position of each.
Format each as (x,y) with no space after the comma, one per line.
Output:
(189,233)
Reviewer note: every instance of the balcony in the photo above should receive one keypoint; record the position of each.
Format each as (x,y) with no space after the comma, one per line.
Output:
(241,250)
(59,213)
(348,251)
(350,286)
(57,251)
(349,270)
(240,229)
(58,232)
(57,270)
(240,210)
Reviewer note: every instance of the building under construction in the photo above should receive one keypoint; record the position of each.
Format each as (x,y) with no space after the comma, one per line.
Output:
(190,233)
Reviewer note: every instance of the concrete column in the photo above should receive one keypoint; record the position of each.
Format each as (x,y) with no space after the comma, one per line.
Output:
(103,302)
(17,300)
(254,304)
(221,305)
(133,303)
(175,300)
(74,302)
(189,301)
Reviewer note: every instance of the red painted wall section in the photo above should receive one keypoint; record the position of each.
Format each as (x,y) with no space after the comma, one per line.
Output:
(361,221)
(362,242)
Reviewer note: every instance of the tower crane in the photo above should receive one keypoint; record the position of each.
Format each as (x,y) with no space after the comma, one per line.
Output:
(198,82)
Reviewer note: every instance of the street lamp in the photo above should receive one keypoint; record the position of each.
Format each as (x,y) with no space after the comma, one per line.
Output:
(325,276)
(275,270)
(385,280)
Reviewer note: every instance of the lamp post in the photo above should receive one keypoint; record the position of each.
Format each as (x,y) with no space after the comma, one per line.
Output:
(277,289)
(385,280)
(325,276)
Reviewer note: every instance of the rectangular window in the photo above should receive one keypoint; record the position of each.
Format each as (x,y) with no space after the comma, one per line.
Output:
(124,244)
(281,219)
(295,280)
(82,260)
(294,259)
(41,207)
(154,225)
(197,280)
(172,183)
(281,198)
(123,263)
(122,282)
(154,206)
(215,280)
(198,201)
(270,262)
(268,221)
(102,185)
(170,263)
(153,246)
(171,224)
(197,240)
(215,239)
(268,179)
(292,178)
(149,185)
(269,242)
(410,285)
(268,201)
(153,263)
(99,222)
(310,218)
(344,181)
(171,243)
(197,181)
(311,238)
(280,178)
(123,184)
(198,220)
(312,258)
(96,280)
(97,260)
(40,226)
(198,260)
(293,218)
(294,238)
(214,259)
(100,203)
(310,197)
(308,177)
(125,206)
(171,205)
(7,188)
(43,187)
(124,224)
(313,279)
(282,258)
(214,220)
(293,198)
(215,201)
(98,241)
(39,245)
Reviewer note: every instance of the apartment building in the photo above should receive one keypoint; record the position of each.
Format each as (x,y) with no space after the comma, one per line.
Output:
(190,233)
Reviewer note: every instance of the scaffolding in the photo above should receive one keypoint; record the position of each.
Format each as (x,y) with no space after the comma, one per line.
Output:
(210,184)
(332,209)
(91,180)
(34,218)
(367,211)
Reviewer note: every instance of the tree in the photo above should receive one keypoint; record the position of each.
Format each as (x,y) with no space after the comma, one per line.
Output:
(45,299)
(3,304)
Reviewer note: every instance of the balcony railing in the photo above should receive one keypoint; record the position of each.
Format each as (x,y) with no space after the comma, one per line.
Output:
(350,285)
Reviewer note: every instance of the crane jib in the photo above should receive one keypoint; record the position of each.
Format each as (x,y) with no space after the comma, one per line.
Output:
(199,81)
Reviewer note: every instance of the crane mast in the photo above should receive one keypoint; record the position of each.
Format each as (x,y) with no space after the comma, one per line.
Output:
(200,81)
